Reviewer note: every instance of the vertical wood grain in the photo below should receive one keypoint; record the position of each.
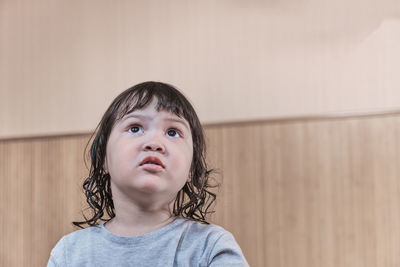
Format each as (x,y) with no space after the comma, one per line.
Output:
(330,191)
(40,196)
(304,193)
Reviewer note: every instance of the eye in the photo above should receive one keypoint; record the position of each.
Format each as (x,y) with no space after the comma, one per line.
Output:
(173,133)
(136,129)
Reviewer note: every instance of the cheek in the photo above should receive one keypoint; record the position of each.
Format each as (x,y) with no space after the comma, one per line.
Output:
(117,159)
(183,161)
(190,161)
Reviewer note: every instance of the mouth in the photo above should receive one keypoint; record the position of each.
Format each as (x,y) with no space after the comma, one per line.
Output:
(152,163)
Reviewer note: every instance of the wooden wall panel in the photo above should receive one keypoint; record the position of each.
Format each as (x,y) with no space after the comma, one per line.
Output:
(312,193)
(304,193)
(39,196)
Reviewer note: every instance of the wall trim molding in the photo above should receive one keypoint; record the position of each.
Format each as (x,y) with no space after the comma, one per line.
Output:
(272,120)
(303,118)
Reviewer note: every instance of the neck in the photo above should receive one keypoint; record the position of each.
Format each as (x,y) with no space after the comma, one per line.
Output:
(133,219)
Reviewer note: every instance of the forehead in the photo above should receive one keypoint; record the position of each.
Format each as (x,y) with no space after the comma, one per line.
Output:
(146,102)
(151,113)
(151,108)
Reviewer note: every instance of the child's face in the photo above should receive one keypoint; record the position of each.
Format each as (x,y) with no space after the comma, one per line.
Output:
(149,154)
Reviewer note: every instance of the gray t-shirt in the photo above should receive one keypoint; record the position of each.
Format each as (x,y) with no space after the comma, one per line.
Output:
(180,243)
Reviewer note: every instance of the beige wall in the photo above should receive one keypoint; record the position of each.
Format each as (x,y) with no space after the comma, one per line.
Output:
(62,62)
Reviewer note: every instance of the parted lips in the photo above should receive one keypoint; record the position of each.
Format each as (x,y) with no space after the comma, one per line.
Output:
(151,160)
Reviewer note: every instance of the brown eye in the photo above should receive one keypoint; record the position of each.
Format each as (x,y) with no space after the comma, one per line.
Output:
(173,133)
(135,129)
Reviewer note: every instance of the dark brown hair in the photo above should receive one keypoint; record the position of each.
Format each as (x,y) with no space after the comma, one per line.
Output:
(193,201)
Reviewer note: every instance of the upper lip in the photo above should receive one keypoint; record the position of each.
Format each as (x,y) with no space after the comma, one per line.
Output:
(152,159)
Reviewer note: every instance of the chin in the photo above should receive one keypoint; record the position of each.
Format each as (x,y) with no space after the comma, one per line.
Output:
(150,185)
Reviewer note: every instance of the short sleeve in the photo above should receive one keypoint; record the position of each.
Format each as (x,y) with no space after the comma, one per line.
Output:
(52,262)
(226,252)
(57,254)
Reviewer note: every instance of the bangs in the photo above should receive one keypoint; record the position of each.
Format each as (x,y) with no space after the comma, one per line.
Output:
(167,100)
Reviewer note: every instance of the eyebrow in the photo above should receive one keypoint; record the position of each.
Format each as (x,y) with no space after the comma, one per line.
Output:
(148,118)
(180,121)
(137,116)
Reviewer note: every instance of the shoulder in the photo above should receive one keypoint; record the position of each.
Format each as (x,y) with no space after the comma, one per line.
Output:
(203,229)
(78,236)
(218,245)
(76,239)
(201,233)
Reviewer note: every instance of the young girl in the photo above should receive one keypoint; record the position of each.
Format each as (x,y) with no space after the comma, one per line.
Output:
(148,173)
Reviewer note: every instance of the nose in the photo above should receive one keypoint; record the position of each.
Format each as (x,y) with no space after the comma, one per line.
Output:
(154,145)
